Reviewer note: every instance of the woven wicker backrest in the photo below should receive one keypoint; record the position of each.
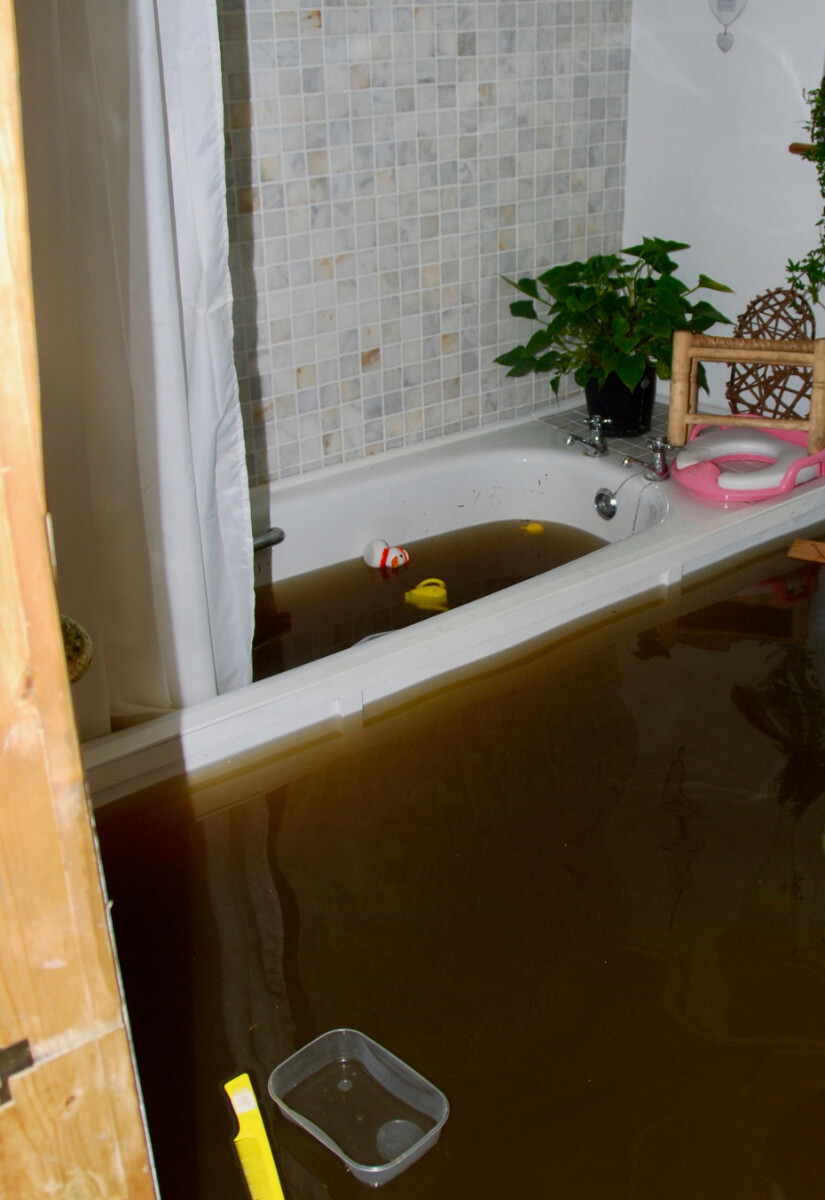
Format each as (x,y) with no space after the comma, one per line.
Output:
(773,389)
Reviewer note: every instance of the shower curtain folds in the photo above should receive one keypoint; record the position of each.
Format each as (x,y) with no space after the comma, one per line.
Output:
(143,441)
(191,453)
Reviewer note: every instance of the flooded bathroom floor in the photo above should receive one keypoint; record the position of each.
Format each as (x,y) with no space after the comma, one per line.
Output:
(583,893)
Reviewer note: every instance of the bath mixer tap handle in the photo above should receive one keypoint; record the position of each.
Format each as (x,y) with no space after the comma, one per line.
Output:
(598,423)
(659,447)
(595,445)
(659,468)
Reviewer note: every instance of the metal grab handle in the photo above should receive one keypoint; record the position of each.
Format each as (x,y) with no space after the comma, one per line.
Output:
(271,538)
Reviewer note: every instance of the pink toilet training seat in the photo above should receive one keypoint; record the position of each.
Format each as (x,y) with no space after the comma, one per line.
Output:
(738,464)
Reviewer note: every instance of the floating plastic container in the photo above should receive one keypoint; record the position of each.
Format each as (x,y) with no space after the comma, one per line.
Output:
(365,1105)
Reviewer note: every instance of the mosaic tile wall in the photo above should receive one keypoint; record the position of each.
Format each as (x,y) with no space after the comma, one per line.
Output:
(387,163)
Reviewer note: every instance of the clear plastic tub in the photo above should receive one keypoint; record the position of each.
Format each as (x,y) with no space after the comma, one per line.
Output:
(367,1106)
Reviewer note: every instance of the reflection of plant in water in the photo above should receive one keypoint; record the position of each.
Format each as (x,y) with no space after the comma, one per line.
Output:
(649,644)
(682,848)
(789,708)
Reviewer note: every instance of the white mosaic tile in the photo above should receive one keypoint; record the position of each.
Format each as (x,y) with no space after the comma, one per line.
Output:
(387,163)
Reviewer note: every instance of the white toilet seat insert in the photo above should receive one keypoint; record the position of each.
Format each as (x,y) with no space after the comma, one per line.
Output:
(768,458)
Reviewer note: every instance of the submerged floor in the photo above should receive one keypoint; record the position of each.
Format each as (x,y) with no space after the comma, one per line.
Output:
(584,895)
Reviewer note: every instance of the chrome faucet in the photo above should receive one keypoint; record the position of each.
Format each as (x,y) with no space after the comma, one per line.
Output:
(595,445)
(658,468)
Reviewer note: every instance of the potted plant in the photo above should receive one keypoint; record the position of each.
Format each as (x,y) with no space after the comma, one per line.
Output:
(808,275)
(609,321)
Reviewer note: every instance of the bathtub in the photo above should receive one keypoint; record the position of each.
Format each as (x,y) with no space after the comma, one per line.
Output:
(661,541)
(518,473)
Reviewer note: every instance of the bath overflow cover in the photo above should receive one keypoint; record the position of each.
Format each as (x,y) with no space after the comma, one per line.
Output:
(605,503)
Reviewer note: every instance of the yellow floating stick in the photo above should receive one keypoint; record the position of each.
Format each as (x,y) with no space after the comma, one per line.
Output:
(251,1142)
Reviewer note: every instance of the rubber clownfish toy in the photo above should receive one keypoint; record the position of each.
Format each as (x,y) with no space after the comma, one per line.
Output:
(383,555)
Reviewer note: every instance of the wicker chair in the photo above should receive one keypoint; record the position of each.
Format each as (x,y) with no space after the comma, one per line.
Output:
(777,369)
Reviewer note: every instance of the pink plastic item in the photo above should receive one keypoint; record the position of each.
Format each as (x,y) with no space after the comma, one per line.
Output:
(777,462)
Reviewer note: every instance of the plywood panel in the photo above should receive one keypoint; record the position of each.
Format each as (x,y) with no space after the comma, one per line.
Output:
(73,1126)
(63,1134)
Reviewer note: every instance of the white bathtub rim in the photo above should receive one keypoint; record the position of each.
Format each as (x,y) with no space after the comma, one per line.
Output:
(347,683)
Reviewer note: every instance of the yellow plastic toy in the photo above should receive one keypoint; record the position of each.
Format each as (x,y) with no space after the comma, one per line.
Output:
(251,1142)
(532,527)
(430,594)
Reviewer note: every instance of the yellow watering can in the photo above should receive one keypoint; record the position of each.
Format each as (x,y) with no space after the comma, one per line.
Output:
(430,594)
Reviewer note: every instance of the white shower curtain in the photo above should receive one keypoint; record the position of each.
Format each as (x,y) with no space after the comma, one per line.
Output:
(143,440)
(191,454)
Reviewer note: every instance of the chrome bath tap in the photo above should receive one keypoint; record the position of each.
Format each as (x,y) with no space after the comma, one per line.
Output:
(658,467)
(595,445)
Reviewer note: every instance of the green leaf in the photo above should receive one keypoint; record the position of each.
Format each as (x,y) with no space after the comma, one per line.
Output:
(706,282)
(630,368)
(671,285)
(621,328)
(705,315)
(528,286)
(524,308)
(656,245)
(670,305)
(561,275)
(658,325)
(655,253)
(515,357)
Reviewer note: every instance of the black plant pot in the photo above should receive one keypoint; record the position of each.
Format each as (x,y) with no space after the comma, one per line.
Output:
(629,412)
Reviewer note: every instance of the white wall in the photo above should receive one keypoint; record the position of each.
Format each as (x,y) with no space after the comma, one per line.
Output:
(708,136)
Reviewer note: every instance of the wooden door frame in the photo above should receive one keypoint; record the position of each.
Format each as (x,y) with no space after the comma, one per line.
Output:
(71,1120)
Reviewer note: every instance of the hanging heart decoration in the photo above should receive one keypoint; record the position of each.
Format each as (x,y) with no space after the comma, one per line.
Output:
(727,11)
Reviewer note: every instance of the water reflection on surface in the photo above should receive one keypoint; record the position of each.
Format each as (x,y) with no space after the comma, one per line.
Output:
(584,895)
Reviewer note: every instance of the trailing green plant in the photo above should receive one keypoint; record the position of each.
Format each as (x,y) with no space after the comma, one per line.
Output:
(610,314)
(808,275)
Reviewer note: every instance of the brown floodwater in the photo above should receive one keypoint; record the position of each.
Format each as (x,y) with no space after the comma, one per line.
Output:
(310,616)
(582,892)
